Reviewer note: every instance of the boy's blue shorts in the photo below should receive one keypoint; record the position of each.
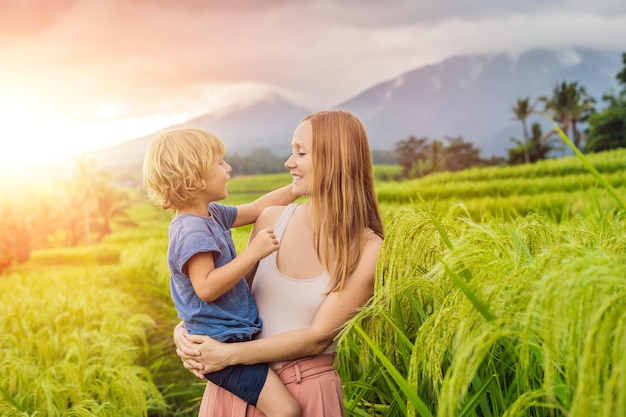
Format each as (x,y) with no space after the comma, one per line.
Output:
(245,381)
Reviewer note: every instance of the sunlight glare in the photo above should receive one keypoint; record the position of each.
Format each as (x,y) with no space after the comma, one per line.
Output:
(32,135)
(29,134)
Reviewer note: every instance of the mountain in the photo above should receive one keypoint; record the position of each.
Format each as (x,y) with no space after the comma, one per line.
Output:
(266,123)
(470,96)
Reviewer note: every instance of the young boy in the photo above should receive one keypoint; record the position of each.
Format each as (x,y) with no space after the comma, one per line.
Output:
(185,170)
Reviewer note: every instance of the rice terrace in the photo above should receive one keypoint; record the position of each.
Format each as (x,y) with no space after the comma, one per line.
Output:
(501,291)
(496,131)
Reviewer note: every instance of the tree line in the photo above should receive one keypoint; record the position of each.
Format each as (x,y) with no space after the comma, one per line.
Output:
(75,211)
(568,105)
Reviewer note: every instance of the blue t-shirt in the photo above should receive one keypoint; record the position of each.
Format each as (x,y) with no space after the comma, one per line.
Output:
(233,316)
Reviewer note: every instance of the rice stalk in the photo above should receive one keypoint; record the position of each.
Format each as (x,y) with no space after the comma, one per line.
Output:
(620,201)
(70,345)
(555,293)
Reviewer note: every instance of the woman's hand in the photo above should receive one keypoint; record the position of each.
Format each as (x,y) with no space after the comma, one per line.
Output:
(200,354)
(186,350)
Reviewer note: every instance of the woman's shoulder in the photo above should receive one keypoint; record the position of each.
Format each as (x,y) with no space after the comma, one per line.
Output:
(372,238)
(269,216)
(373,244)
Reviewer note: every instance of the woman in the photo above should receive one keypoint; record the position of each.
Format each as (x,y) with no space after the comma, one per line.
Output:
(322,273)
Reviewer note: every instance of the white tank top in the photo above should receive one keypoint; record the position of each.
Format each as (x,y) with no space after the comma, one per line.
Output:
(287,303)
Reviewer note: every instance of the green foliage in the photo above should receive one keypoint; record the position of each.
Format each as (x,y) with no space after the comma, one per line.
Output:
(607,129)
(533,150)
(257,184)
(100,255)
(95,324)
(410,153)
(260,161)
(484,306)
(556,300)
(522,111)
(70,344)
(419,157)
(80,210)
(387,172)
(555,187)
(568,105)
(458,155)
(601,179)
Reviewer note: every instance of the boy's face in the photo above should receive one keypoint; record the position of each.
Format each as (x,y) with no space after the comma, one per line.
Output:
(216,188)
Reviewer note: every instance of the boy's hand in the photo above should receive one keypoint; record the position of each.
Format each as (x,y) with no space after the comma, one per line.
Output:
(263,244)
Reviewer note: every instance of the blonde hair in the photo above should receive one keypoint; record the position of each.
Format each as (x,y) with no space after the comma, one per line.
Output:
(176,165)
(342,192)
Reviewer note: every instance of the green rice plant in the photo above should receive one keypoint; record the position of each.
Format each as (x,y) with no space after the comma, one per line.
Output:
(258,184)
(405,191)
(554,204)
(556,187)
(404,298)
(605,162)
(101,254)
(70,345)
(496,318)
(145,274)
(485,305)
(387,172)
(589,166)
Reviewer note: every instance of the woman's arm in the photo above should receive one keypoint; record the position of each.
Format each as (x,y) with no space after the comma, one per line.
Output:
(333,314)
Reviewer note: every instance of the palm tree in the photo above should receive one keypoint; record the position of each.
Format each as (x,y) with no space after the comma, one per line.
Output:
(569,105)
(82,190)
(111,203)
(522,111)
(84,183)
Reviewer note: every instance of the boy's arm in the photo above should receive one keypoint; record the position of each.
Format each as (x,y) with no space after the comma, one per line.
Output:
(210,283)
(336,310)
(248,213)
(208,355)
(267,218)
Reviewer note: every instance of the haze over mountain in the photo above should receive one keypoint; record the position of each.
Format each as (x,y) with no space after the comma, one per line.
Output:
(470,96)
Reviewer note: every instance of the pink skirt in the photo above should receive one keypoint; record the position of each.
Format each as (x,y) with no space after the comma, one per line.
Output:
(313,382)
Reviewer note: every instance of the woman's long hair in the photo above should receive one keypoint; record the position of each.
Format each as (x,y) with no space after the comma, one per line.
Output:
(342,192)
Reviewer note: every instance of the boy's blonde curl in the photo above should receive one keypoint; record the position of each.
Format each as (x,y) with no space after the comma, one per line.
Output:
(176,166)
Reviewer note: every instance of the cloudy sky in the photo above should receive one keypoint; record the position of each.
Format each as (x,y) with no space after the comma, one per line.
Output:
(83,74)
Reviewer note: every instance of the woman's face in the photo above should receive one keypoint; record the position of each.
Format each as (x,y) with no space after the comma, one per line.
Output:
(299,163)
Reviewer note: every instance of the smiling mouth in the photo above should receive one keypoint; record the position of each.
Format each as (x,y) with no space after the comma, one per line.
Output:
(296,178)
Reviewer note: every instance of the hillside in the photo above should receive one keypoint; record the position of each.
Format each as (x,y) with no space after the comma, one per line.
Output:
(472,96)
(469,96)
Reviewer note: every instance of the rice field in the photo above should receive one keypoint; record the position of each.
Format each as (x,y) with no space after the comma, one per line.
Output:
(500,292)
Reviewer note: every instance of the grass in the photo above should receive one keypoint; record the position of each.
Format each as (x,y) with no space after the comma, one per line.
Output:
(70,343)
(486,305)
(498,322)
